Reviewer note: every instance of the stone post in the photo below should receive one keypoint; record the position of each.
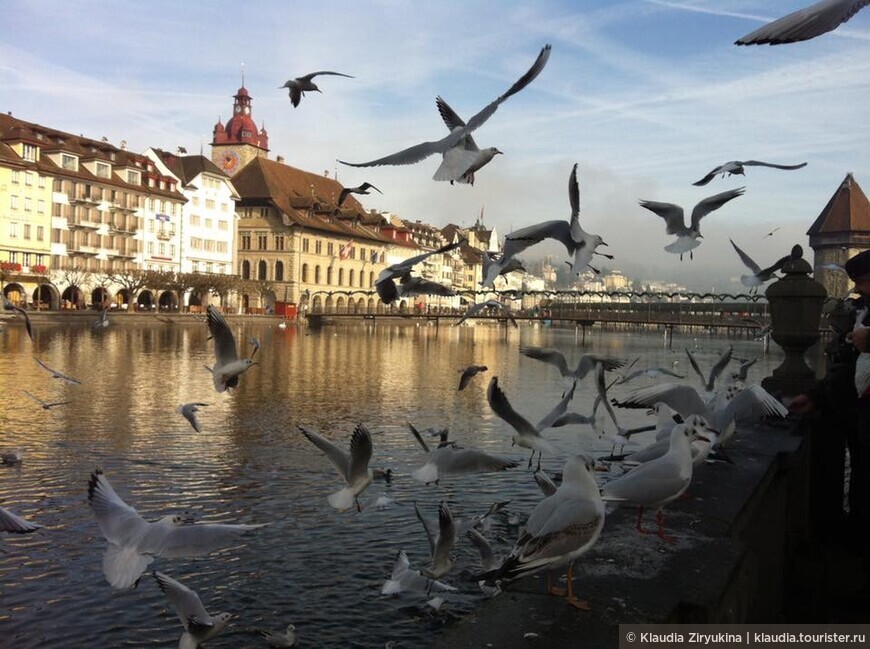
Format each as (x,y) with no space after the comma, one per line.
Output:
(795,313)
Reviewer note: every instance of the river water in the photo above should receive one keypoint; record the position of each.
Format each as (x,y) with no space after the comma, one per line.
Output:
(312,567)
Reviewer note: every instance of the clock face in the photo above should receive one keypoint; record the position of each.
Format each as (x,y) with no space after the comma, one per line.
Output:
(230,161)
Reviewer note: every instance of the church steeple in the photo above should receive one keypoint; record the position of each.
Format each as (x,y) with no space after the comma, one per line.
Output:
(239,141)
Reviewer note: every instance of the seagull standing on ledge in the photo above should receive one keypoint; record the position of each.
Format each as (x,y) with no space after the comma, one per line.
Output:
(457,157)
(687,236)
(300,85)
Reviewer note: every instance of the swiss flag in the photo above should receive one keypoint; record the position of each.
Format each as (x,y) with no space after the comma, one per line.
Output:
(344,253)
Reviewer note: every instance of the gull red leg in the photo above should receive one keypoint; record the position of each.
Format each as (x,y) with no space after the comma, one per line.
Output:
(573,601)
(660,518)
(640,521)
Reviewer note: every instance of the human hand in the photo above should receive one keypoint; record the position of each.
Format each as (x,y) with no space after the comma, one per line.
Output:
(860,339)
(801,405)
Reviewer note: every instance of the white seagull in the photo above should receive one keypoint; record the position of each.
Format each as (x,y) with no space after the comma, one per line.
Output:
(134,542)
(585,244)
(804,24)
(102,322)
(449,459)
(14,524)
(451,146)
(655,483)
(188,411)
(759,275)
(385,284)
(353,468)
(455,166)
(297,87)
(228,366)
(468,373)
(688,235)
(198,625)
(57,375)
(494,305)
(710,382)
(736,168)
(585,364)
(276,639)
(561,528)
(8,305)
(441,546)
(46,405)
(404,579)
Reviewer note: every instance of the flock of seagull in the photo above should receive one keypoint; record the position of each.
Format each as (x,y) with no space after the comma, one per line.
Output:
(691,426)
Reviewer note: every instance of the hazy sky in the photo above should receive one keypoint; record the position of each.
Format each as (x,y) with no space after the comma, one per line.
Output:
(646,95)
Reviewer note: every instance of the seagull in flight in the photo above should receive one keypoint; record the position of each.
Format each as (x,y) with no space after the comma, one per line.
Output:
(710,382)
(353,468)
(451,146)
(804,24)
(134,542)
(759,275)
(300,85)
(454,168)
(441,546)
(389,291)
(14,524)
(102,322)
(188,411)
(495,305)
(57,375)
(198,625)
(450,459)
(688,235)
(557,359)
(46,405)
(468,373)
(771,233)
(362,189)
(228,366)
(8,305)
(736,167)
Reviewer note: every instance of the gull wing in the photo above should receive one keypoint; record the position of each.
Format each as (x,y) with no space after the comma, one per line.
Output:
(746,259)
(309,77)
(55,374)
(360,453)
(682,398)
(420,286)
(191,540)
(340,460)
(671,213)
(502,407)
(13,523)
(696,367)
(545,483)
(224,342)
(558,410)
(22,313)
(574,193)
(518,240)
(419,437)
(186,602)
(119,523)
(446,536)
(759,163)
(720,365)
(487,560)
(548,355)
(710,176)
(454,121)
(804,24)
(712,203)
(753,400)
(469,460)
(429,536)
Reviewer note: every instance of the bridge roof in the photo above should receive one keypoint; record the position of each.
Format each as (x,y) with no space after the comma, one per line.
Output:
(847,211)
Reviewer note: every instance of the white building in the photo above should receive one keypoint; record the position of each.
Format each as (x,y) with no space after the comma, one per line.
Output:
(204,231)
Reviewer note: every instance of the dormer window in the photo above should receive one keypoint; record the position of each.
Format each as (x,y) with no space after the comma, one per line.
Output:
(133,177)
(103,170)
(69,162)
(30,152)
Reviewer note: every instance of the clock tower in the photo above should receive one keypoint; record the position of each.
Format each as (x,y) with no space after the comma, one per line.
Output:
(239,141)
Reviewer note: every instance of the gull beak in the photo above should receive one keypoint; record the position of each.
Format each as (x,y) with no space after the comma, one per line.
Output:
(702,438)
(700,236)
(499,152)
(651,411)
(603,243)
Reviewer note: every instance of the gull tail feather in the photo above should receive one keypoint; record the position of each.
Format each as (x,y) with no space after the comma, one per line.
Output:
(342,500)
(123,565)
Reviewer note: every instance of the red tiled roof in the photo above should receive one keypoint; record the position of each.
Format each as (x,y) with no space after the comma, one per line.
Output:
(847,211)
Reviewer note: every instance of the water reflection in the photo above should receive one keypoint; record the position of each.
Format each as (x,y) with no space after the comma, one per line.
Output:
(313,567)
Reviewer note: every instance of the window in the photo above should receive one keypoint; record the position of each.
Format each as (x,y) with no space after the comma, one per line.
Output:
(305,245)
(304,272)
(69,162)
(194,219)
(350,278)
(103,170)
(28,177)
(28,204)
(264,212)
(341,276)
(317,274)
(41,182)
(279,242)
(262,241)
(195,243)
(261,270)
(279,271)
(161,248)
(150,247)
(195,201)
(362,254)
(225,207)
(27,232)
(208,223)
(40,206)
(40,233)
(329,275)
(30,152)
(330,249)
(16,176)
(209,203)
(246,242)
(222,247)
(132,177)
(318,247)
(223,225)
(246,269)
(13,202)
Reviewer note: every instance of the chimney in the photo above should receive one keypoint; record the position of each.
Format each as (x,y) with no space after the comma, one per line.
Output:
(280,159)
(326,173)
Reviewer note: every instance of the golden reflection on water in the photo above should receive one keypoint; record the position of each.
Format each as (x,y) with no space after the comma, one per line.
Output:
(311,566)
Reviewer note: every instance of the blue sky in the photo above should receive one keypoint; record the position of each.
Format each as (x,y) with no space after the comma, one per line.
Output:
(646,95)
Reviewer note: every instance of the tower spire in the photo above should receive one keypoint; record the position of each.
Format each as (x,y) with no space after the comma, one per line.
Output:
(243,75)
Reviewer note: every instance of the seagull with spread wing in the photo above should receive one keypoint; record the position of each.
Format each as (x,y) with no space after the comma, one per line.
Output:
(441,546)
(134,542)
(9,306)
(389,291)
(228,366)
(468,373)
(297,87)
(14,524)
(450,459)
(198,625)
(709,382)
(457,157)
(759,275)
(353,468)
(461,152)
(188,411)
(494,305)
(688,235)
(57,375)
(361,189)
(46,405)
(585,364)
(736,168)
(804,24)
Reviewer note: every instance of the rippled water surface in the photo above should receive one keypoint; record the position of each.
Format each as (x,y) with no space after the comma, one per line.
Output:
(311,566)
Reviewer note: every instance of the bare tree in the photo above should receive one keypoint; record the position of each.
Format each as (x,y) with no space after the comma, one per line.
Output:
(76,277)
(132,280)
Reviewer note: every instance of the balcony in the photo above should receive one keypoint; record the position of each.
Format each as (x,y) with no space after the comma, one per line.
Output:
(165,234)
(123,227)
